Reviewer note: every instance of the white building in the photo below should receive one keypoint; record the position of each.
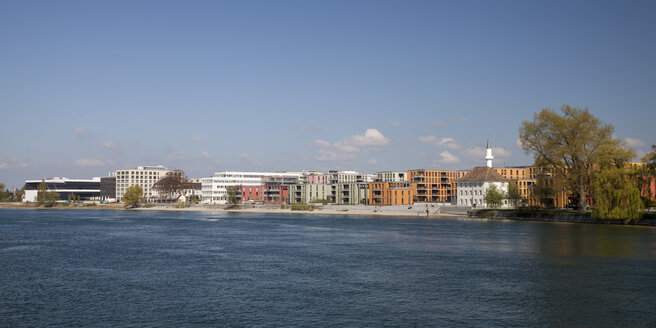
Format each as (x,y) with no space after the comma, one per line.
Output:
(391,176)
(144,176)
(85,189)
(472,187)
(214,188)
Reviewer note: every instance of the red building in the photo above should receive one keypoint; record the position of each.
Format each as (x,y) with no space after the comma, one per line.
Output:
(252,194)
(276,194)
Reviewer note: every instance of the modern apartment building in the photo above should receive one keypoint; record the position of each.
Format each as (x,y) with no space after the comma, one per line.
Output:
(86,189)
(313,178)
(144,176)
(391,193)
(391,176)
(308,193)
(214,188)
(434,186)
(348,187)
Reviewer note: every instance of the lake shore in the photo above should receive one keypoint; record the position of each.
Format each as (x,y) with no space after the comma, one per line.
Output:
(361,210)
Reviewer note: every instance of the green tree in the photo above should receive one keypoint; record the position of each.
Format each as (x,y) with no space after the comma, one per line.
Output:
(233,195)
(45,197)
(133,196)
(494,197)
(650,159)
(575,143)
(515,196)
(4,194)
(644,175)
(616,195)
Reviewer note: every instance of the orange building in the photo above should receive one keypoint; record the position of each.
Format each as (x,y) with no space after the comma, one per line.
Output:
(434,185)
(391,193)
(531,178)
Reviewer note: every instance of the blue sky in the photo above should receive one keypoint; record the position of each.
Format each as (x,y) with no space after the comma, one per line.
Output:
(87,87)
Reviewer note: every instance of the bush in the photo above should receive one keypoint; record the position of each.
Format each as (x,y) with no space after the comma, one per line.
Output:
(302,207)
(321,201)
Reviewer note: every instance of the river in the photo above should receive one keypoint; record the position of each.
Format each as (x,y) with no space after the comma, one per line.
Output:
(147,268)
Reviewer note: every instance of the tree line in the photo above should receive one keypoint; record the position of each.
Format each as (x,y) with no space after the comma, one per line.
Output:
(581,155)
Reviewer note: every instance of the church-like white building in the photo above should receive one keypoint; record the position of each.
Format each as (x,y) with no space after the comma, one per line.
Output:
(472,187)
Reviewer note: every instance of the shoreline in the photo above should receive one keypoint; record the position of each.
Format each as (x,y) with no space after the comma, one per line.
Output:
(343,210)
(417,211)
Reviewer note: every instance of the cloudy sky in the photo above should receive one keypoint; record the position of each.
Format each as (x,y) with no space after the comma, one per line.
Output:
(87,87)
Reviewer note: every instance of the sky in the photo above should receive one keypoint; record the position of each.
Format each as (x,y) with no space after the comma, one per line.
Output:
(88,87)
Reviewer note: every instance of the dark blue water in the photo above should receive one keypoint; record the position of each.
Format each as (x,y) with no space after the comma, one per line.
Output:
(122,268)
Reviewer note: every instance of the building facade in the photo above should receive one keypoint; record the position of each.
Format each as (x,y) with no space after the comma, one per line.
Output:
(391,193)
(144,176)
(85,189)
(473,186)
(434,186)
(391,176)
(308,193)
(348,187)
(214,188)
(108,188)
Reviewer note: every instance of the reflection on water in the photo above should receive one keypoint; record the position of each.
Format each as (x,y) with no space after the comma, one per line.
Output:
(85,268)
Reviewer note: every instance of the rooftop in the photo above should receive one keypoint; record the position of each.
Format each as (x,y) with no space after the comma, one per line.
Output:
(482,173)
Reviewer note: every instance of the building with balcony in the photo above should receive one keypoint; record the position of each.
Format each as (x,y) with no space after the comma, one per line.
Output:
(434,186)
(308,193)
(391,176)
(391,193)
(348,187)
(214,188)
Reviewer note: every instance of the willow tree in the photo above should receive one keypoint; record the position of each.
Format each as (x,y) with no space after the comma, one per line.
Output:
(574,143)
(616,195)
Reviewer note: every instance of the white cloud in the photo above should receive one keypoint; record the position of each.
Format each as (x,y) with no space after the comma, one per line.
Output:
(349,146)
(371,138)
(440,123)
(395,123)
(448,158)
(634,143)
(91,162)
(109,144)
(196,139)
(440,142)
(479,152)
(463,119)
(372,161)
(519,143)
(322,143)
(80,130)
(328,155)
(205,155)
(242,155)
(500,152)
(307,128)
(12,164)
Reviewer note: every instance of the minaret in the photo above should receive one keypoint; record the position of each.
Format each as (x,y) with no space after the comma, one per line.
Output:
(488,156)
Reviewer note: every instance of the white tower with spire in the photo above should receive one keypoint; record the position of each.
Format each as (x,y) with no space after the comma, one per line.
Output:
(488,155)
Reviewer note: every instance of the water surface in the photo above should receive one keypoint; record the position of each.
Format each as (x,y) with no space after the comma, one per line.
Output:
(124,268)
